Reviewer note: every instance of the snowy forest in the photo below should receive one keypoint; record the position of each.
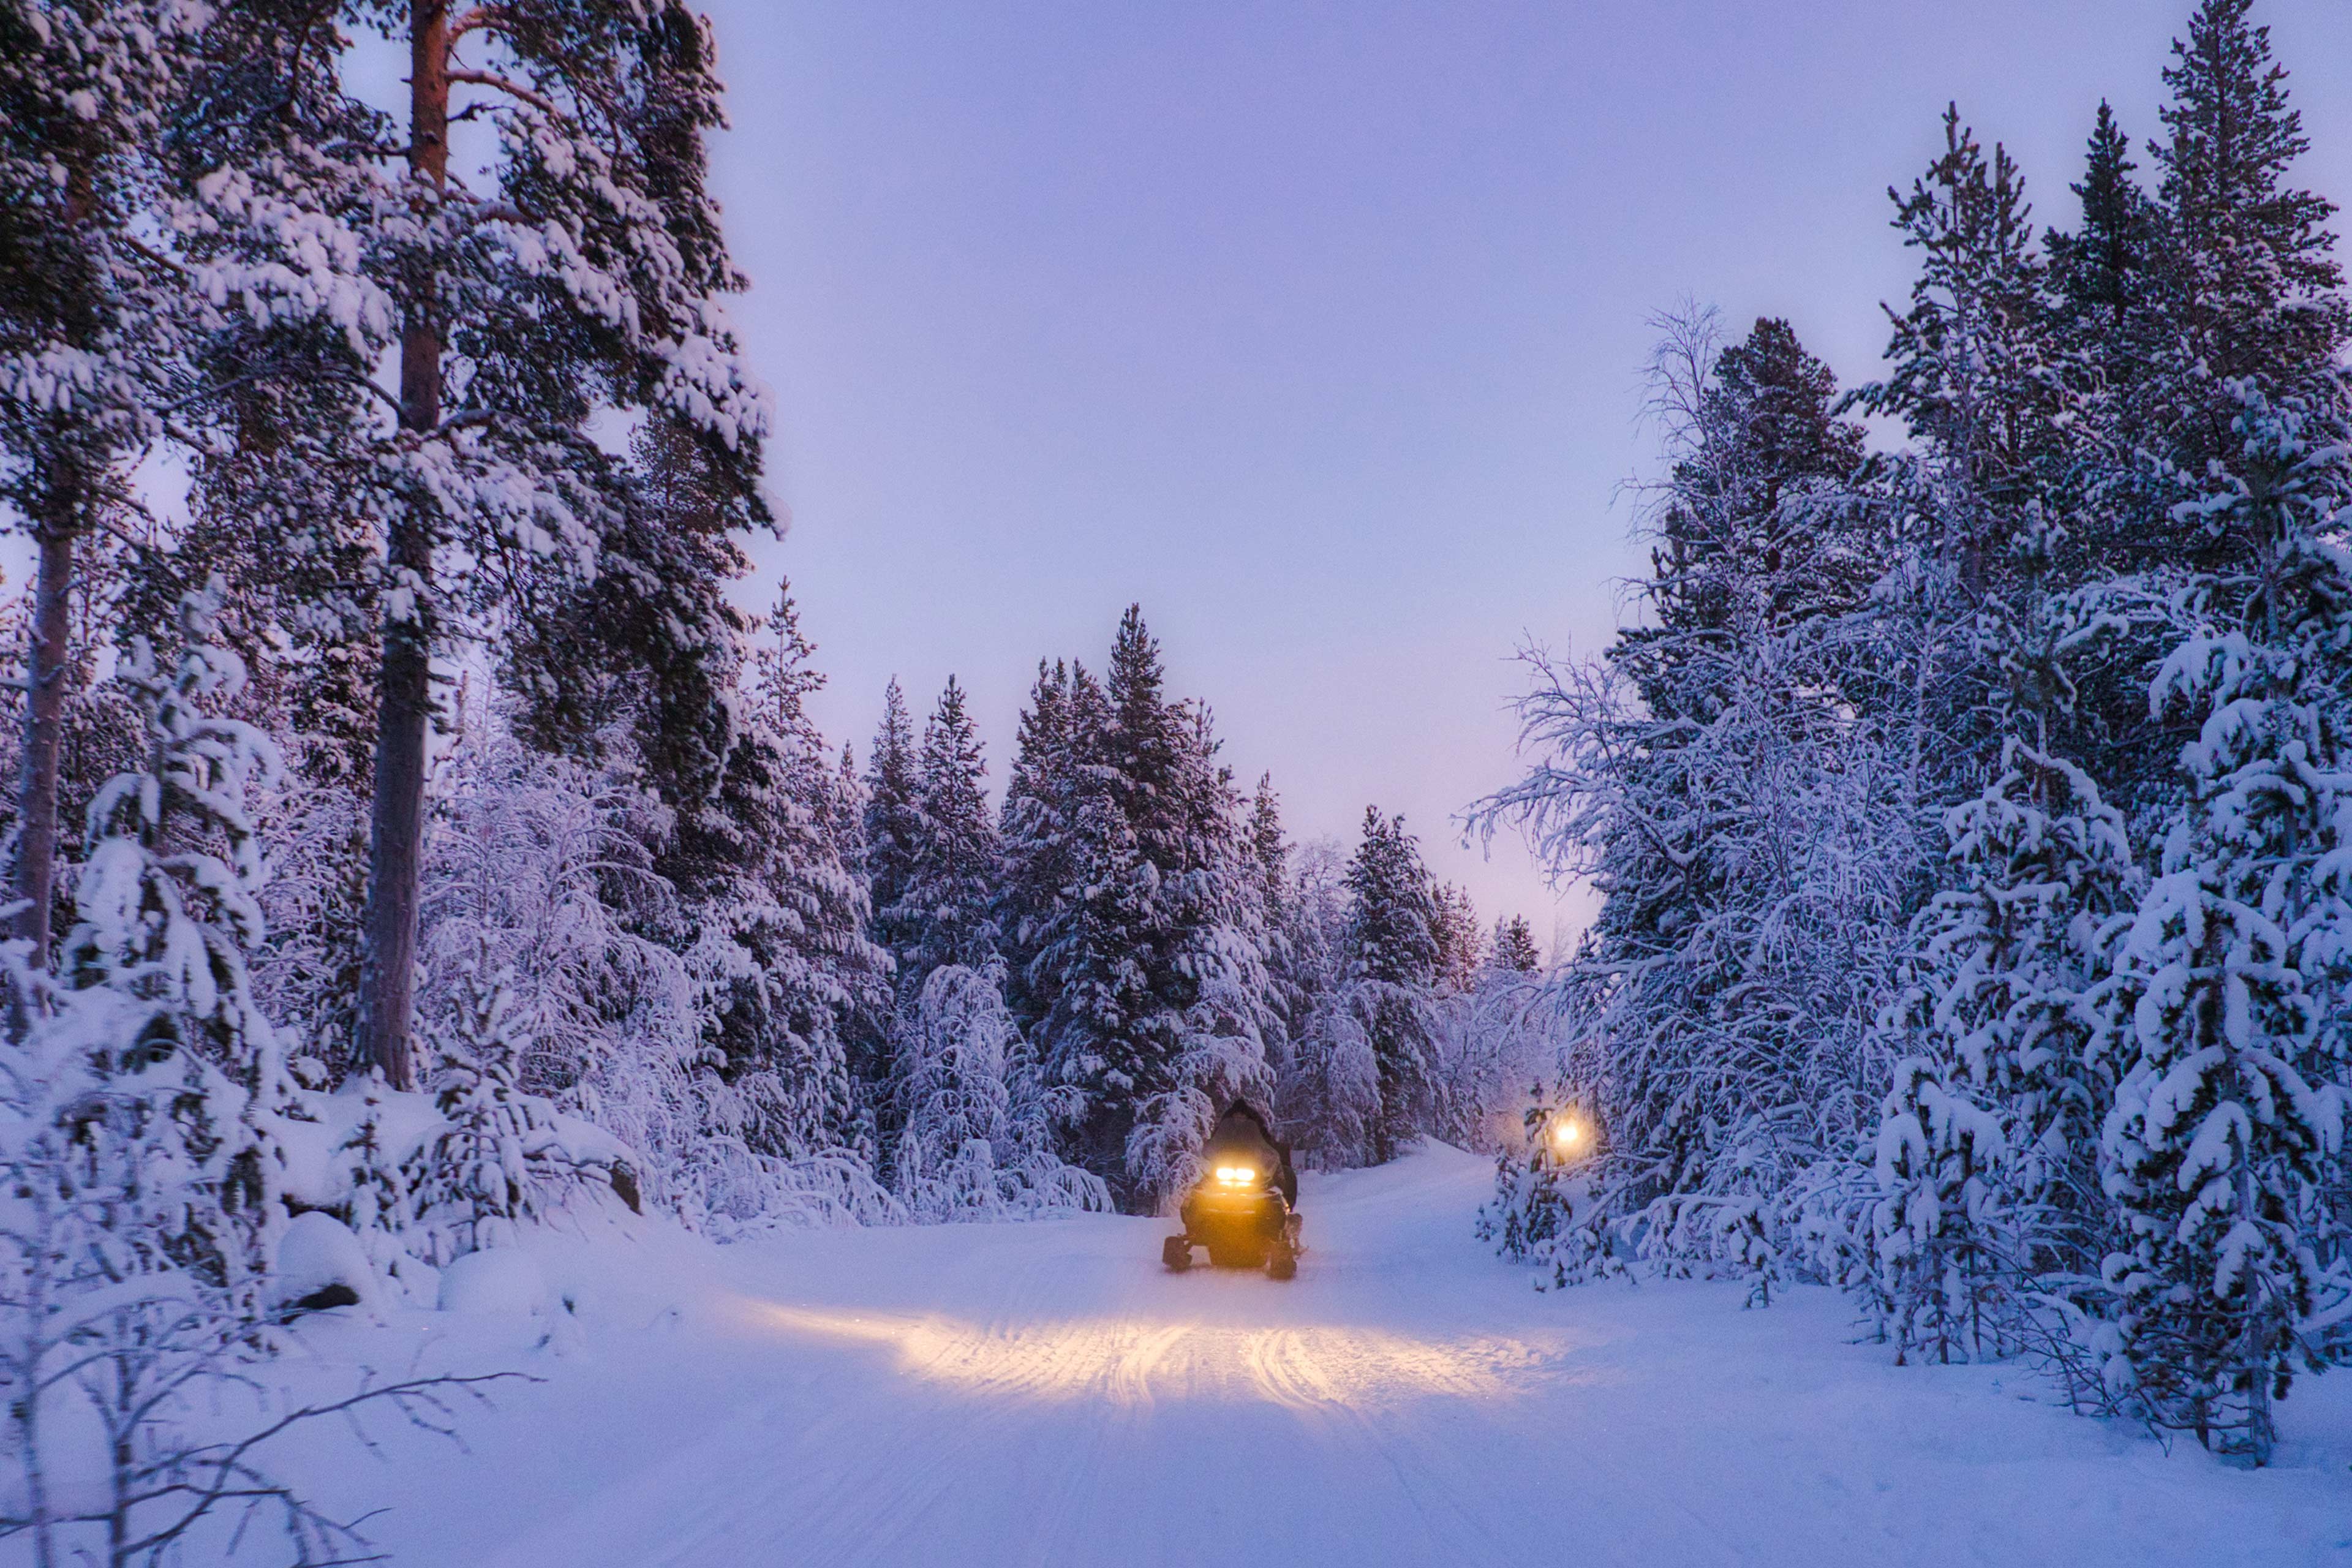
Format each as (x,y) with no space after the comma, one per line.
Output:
(1968,807)
(418,853)
(414,837)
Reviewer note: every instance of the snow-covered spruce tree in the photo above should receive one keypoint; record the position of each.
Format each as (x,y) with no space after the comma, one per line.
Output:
(498,1161)
(1984,1179)
(1034,827)
(952,876)
(779,950)
(1103,958)
(893,822)
(166,910)
(1269,851)
(1326,1087)
(2101,270)
(1972,1190)
(2226,1027)
(974,1145)
(865,1031)
(2236,420)
(1461,942)
(1392,958)
(946,866)
(1512,948)
(1969,365)
(2246,283)
(1222,978)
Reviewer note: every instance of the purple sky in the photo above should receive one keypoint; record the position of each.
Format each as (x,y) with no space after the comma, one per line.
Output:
(1314,327)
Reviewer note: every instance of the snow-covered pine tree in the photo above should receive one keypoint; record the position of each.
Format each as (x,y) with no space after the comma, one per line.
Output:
(278,502)
(1513,946)
(954,1046)
(2100,270)
(538,242)
(893,822)
(2227,1125)
(497,1162)
(945,906)
(1461,940)
(98,326)
(779,946)
(2222,1011)
(2247,282)
(1983,1174)
(975,1144)
(1393,970)
(1219,977)
(1103,961)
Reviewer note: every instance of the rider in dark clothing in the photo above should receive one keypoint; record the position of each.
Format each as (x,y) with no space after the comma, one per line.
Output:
(1242,1135)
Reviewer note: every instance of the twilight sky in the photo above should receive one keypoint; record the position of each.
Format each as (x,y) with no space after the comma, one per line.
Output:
(1315,327)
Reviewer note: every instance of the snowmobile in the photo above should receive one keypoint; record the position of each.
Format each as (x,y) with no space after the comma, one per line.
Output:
(1238,1213)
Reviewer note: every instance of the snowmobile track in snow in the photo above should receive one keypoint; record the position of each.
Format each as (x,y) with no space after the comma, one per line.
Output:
(1049,1396)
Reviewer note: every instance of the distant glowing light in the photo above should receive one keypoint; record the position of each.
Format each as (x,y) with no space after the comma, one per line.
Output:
(1567,1133)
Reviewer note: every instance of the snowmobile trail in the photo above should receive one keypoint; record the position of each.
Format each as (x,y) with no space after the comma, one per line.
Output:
(1047,1396)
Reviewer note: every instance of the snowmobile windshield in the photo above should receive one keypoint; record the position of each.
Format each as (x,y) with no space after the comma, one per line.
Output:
(1239,1138)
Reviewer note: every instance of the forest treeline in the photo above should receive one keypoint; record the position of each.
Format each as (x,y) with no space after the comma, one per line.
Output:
(1970,818)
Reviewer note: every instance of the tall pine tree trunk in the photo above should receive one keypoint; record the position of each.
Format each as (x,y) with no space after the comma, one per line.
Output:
(66,500)
(45,715)
(404,698)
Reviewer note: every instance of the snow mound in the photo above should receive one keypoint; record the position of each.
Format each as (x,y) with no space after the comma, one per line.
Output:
(317,1253)
(500,1282)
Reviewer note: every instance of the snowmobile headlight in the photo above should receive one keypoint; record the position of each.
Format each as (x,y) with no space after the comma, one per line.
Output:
(1236,1175)
(1567,1133)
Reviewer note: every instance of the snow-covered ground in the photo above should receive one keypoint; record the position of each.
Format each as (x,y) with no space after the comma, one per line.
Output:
(1046,1394)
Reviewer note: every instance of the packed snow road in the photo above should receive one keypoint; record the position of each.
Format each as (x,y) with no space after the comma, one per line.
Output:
(1046,1394)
